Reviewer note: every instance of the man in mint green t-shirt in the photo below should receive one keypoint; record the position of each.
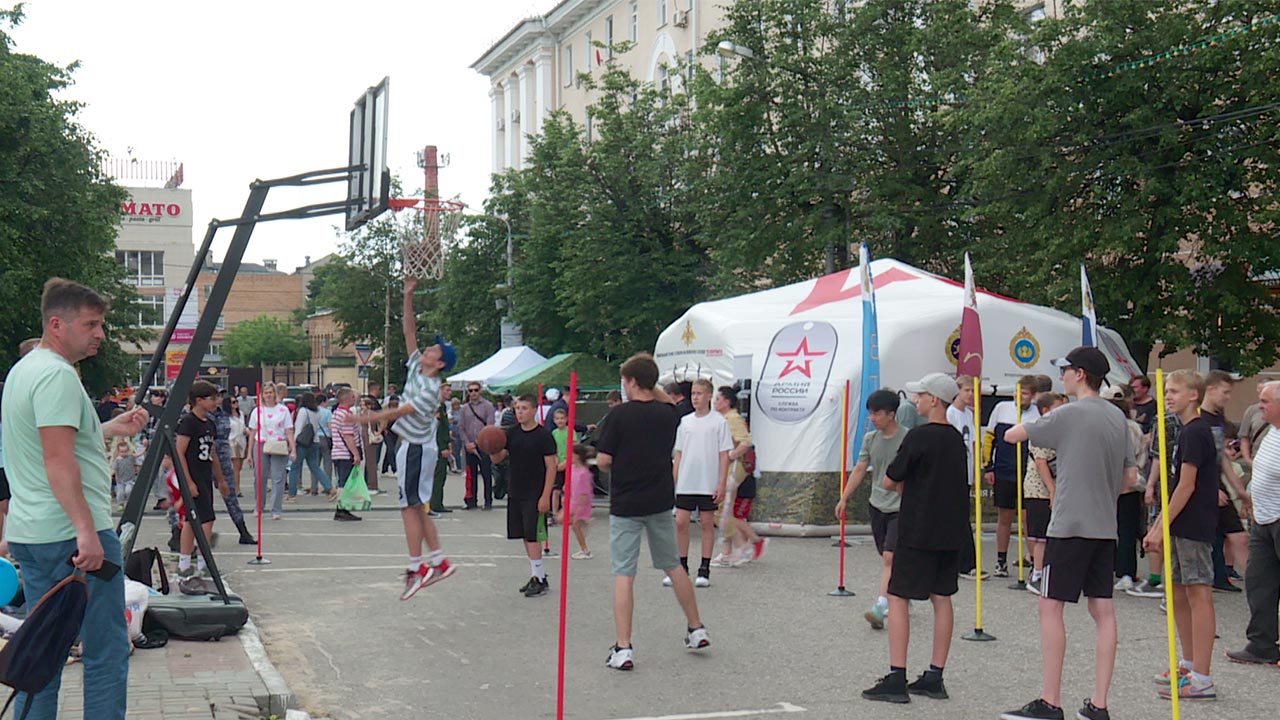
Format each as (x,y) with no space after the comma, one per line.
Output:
(61,485)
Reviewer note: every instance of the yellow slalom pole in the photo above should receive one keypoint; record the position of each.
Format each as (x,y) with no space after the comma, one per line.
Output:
(1022,571)
(1170,628)
(978,633)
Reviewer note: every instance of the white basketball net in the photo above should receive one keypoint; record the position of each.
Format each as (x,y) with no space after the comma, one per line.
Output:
(423,233)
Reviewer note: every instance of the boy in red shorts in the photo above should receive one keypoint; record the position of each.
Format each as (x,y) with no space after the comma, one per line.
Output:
(750,546)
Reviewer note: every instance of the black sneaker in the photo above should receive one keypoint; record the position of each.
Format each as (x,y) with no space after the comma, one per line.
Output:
(532,581)
(1002,570)
(930,685)
(345,516)
(539,587)
(1089,711)
(1035,710)
(890,688)
(1226,587)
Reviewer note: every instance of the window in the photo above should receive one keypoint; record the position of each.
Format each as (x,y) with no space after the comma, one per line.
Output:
(222,323)
(633,33)
(588,53)
(662,12)
(151,311)
(689,66)
(568,65)
(664,79)
(590,126)
(721,65)
(608,36)
(144,268)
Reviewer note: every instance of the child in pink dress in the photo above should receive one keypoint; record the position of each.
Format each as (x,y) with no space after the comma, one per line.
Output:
(582,493)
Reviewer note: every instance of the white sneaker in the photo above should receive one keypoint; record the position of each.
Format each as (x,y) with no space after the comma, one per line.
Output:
(1124,583)
(666,581)
(697,639)
(722,561)
(744,556)
(581,555)
(621,658)
(702,581)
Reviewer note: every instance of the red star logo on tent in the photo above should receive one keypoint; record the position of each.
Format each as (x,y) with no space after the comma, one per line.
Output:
(802,362)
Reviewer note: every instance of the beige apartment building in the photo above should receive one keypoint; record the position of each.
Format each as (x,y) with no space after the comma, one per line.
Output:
(534,69)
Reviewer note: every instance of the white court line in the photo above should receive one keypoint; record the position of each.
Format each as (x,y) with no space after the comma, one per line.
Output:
(781,708)
(395,535)
(374,555)
(359,567)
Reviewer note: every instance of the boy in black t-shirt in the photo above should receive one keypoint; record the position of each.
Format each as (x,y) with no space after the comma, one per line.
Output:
(531,454)
(930,473)
(637,445)
(196,450)
(1193,521)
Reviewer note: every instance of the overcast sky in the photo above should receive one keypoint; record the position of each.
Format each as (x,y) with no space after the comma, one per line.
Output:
(240,90)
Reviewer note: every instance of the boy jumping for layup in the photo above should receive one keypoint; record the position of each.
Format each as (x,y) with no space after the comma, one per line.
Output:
(417,454)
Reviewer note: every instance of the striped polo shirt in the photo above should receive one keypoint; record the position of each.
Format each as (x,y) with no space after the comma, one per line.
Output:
(1265,483)
(423,393)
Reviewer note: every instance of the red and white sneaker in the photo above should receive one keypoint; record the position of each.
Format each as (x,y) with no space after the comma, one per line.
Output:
(424,576)
(759,547)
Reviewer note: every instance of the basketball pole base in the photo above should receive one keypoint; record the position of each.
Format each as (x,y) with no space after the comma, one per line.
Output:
(259,561)
(1018,586)
(978,635)
(840,543)
(841,592)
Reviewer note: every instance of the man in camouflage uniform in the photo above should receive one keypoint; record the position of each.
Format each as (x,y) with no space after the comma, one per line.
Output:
(222,429)
(442,443)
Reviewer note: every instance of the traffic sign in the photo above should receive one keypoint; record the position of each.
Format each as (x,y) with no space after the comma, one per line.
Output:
(363,353)
(363,372)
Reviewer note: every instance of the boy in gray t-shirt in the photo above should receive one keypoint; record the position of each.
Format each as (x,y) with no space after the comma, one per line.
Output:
(878,450)
(1094,465)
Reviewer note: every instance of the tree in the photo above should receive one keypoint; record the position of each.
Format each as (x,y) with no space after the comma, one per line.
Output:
(1140,140)
(265,340)
(58,213)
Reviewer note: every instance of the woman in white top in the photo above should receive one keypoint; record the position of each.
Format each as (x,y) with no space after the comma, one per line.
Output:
(309,453)
(274,426)
(238,435)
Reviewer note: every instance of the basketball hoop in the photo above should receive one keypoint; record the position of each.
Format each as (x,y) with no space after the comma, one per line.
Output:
(423,234)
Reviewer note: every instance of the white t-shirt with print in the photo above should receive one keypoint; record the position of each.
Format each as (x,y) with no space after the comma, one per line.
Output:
(275,421)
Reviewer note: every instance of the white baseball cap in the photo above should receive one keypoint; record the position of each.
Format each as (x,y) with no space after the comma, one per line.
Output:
(939,385)
(552,394)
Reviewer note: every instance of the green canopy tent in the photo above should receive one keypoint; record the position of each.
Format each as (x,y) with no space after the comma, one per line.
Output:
(594,375)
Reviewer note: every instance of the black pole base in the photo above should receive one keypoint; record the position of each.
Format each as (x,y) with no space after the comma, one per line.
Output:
(841,592)
(1018,586)
(840,543)
(978,635)
(259,561)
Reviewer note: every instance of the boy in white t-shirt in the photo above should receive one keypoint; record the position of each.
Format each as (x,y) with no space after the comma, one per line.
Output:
(700,468)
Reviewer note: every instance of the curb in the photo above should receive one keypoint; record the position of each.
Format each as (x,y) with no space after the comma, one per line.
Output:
(279,696)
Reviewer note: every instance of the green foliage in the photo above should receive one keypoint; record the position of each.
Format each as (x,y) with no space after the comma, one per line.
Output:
(58,213)
(265,340)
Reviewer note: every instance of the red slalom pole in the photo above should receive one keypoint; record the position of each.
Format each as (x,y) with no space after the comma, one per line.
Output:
(257,468)
(840,590)
(541,397)
(566,503)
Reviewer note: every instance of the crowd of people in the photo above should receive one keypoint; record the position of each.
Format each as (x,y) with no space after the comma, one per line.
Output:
(1090,492)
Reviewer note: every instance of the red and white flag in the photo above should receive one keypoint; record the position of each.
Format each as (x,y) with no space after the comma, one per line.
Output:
(970,360)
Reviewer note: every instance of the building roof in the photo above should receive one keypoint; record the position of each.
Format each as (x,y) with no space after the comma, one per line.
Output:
(246,268)
(530,32)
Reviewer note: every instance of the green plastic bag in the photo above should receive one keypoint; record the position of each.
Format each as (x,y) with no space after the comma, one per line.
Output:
(542,527)
(355,493)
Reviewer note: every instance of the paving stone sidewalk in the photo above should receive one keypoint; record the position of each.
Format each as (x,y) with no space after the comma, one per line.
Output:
(183,681)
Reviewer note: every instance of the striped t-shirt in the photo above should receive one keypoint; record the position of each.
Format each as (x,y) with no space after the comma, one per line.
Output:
(423,393)
(342,424)
(1265,483)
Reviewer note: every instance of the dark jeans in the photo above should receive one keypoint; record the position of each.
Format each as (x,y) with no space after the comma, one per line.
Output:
(479,464)
(389,454)
(103,633)
(1129,512)
(1262,590)
(341,470)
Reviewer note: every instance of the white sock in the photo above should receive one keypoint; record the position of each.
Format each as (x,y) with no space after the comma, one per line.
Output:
(200,564)
(1201,680)
(883,602)
(1185,664)
(535,566)
(1036,575)
(437,557)
(415,562)
(184,562)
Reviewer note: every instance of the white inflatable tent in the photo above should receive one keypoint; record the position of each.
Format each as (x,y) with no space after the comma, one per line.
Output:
(500,366)
(803,341)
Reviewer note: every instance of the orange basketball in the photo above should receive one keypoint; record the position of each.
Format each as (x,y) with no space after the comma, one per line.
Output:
(491,440)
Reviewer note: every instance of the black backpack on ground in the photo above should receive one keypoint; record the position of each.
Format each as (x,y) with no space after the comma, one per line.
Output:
(138,568)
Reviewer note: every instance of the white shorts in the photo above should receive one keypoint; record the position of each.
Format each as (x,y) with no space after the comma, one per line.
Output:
(417,469)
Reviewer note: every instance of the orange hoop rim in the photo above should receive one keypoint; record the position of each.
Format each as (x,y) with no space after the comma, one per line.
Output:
(426,204)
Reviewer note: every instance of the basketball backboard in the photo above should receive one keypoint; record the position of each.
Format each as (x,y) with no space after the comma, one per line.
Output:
(369,186)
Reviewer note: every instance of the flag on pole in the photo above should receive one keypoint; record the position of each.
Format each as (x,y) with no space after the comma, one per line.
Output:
(969,361)
(1088,319)
(870,350)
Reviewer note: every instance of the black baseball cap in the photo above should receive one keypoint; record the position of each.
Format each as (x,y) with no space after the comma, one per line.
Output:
(1089,359)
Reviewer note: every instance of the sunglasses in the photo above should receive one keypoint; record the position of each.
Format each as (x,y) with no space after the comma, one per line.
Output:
(474,390)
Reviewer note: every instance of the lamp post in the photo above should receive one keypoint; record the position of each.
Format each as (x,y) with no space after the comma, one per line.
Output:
(731,49)
(508,328)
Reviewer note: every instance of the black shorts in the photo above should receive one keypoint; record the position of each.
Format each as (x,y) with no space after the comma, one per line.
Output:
(1006,494)
(1078,565)
(522,520)
(701,503)
(884,529)
(559,482)
(1229,520)
(4,486)
(1037,517)
(917,574)
(204,502)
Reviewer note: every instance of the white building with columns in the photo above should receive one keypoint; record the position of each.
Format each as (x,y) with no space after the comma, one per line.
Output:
(534,68)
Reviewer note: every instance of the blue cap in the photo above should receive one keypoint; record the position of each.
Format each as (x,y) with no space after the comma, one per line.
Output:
(448,353)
